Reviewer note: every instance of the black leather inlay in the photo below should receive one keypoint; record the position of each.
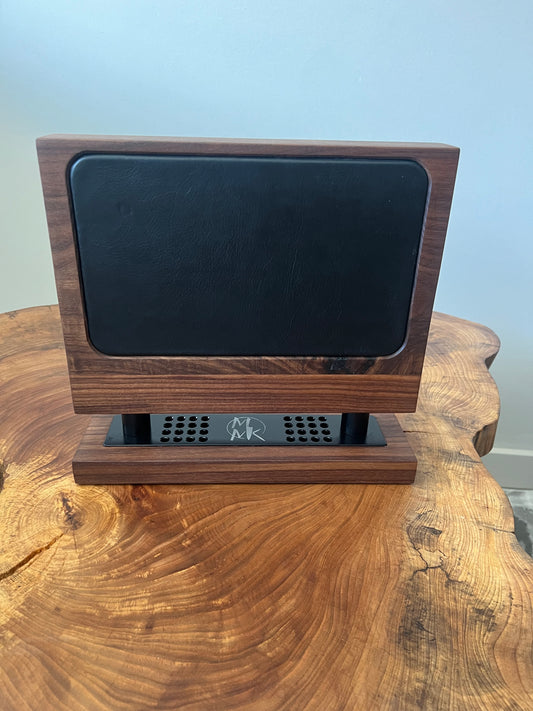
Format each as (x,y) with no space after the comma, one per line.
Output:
(247,256)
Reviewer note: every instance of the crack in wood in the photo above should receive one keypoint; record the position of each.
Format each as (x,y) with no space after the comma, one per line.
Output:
(433,533)
(449,579)
(29,558)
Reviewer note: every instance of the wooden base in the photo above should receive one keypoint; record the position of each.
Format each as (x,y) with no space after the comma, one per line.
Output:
(94,463)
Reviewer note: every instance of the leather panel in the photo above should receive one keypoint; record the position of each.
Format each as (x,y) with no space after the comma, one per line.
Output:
(186,255)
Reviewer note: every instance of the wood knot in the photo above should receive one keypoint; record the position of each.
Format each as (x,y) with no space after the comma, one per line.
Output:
(139,492)
(345,366)
(337,365)
(71,517)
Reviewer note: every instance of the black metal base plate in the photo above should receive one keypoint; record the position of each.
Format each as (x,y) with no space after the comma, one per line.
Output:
(246,430)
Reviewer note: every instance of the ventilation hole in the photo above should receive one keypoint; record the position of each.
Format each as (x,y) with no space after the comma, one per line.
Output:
(193,418)
(302,439)
(310,418)
(327,439)
(287,418)
(324,425)
(165,439)
(326,432)
(313,432)
(290,439)
(177,439)
(205,418)
(191,432)
(299,418)
(322,418)
(315,439)
(301,432)
(192,424)
(204,432)
(289,432)
(165,432)
(181,418)
(168,418)
(191,439)
(179,432)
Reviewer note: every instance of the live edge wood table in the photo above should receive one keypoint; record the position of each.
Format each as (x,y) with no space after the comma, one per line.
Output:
(259,597)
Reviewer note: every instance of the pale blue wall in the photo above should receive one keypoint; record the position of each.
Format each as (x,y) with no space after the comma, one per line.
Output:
(458,72)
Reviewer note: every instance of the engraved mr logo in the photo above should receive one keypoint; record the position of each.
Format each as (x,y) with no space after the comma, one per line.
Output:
(246,428)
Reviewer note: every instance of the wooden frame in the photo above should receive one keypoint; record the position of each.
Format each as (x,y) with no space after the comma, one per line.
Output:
(109,384)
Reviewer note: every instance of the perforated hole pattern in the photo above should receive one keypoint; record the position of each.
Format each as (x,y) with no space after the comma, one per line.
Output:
(307,428)
(299,429)
(185,428)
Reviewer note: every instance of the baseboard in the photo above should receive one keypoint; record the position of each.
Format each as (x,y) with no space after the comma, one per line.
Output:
(512,468)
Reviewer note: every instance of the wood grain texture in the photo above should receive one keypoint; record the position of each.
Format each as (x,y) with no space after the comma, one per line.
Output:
(231,393)
(103,384)
(95,464)
(269,598)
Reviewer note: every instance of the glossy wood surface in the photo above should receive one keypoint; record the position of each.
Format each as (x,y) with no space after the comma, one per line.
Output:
(110,384)
(270,598)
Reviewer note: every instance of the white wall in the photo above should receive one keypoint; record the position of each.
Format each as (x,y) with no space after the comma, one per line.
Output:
(456,71)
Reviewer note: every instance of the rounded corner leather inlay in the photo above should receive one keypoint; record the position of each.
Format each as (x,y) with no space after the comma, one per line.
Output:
(200,255)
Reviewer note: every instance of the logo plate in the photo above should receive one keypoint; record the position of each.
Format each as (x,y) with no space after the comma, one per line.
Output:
(246,428)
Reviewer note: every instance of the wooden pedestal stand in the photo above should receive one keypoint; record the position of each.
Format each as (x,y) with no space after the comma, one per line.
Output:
(96,464)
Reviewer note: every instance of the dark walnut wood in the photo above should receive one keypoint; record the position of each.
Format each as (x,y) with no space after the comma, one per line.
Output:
(94,463)
(109,384)
(279,597)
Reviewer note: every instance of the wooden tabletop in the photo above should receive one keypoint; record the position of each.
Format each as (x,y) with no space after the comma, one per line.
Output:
(259,597)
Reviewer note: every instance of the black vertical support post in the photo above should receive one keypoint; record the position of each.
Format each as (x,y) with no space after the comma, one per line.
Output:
(136,429)
(354,427)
